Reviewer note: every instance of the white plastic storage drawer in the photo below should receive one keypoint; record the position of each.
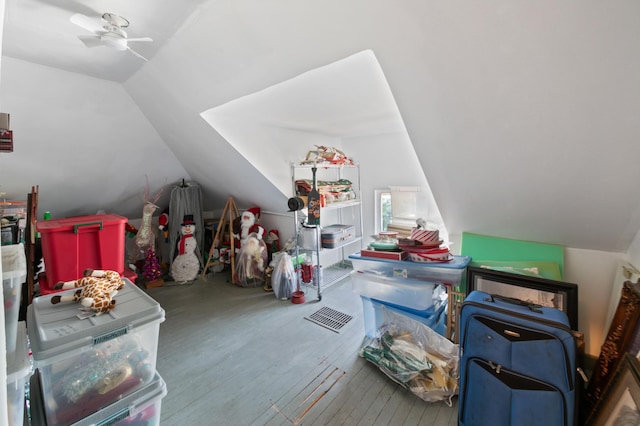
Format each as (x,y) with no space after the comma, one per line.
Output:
(87,364)
(412,294)
(14,273)
(450,273)
(18,372)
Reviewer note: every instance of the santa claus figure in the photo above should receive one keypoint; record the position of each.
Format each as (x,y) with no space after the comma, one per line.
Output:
(249,224)
(253,250)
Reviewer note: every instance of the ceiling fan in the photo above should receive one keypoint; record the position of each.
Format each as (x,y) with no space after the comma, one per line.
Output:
(107,31)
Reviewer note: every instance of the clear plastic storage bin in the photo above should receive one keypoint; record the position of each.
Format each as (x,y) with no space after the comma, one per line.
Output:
(88,364)
(413,294)
(14,273)
(141,407)
(450,273)
(18,372)
(373,315)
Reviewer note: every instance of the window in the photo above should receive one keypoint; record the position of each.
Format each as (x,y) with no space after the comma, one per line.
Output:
(401,206)
(383,209)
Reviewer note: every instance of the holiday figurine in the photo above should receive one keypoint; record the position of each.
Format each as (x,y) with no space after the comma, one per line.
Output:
(249,224)
(186,265)
(145,238)
(151,269)
(273,242)
(253,251)
(163,225)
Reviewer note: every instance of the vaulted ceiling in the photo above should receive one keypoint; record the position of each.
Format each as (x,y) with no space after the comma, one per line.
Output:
(523,116)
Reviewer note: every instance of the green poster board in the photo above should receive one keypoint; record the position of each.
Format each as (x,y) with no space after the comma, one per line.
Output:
(502,253)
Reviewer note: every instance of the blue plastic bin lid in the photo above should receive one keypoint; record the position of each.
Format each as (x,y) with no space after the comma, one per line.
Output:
(458,262)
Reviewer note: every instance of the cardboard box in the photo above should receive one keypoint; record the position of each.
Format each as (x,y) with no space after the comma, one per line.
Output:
(4,121)
(381,254)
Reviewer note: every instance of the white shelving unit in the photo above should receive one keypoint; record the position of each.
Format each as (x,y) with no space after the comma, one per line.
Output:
(348,211)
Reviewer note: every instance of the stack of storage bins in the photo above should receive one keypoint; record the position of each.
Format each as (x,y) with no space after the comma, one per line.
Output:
(14,273)
(100,367)
(72,244)
(404,286)
(18,372)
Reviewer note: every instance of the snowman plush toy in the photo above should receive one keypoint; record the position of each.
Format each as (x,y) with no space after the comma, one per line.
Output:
(186,265)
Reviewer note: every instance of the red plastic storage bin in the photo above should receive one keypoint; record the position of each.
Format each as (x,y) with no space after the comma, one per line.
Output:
(72,244)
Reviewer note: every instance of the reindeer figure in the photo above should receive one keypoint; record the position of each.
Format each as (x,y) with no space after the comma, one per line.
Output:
(145,238)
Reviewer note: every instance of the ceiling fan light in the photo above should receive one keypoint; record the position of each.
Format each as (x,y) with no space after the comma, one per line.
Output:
(116,20)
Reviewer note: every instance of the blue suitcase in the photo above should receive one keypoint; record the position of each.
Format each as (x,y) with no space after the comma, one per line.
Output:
(517,363)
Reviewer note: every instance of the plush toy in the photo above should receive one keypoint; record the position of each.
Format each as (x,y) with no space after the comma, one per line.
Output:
(96,290)
(186,265)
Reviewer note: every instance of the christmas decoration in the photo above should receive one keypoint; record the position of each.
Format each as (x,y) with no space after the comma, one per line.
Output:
(186,265)
(151,269)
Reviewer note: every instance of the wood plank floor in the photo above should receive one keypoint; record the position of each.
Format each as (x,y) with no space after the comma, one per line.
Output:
(238,356)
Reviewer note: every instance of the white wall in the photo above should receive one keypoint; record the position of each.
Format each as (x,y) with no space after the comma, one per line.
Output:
(594,271)
(82,140)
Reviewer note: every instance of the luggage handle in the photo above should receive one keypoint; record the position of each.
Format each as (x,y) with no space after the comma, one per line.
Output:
(78,225)
(534,307)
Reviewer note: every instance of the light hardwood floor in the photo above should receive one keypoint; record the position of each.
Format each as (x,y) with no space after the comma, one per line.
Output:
(238,356)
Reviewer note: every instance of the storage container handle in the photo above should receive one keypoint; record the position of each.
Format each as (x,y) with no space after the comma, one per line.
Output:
(76,226)
(534,307)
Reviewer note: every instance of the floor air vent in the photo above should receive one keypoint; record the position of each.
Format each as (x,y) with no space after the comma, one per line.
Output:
(329,318)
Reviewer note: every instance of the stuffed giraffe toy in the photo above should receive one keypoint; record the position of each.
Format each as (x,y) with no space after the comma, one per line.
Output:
(96,290)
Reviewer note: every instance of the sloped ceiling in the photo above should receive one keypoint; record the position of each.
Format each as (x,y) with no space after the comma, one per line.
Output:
(356,103)
(523,115)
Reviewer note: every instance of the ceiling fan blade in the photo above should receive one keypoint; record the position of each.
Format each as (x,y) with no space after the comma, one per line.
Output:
(137,54)
(87,23)
(91,40)
(140,39)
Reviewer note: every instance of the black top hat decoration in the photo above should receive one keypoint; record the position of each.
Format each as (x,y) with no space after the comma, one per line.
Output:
(187,220)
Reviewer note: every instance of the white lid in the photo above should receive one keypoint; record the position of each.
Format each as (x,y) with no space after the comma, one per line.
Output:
(56,329)
(14,262)
(18,365)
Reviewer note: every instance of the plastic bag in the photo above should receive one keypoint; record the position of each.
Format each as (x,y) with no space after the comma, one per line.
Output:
(283,278)
(414,356)
(251,262)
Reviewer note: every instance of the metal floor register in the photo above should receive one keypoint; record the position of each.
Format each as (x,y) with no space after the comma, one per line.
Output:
(329,318)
